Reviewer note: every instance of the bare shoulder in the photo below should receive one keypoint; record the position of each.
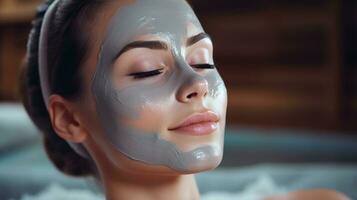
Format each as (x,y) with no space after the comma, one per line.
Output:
(313,194)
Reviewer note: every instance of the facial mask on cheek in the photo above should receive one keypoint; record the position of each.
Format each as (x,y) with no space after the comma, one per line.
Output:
(168,18)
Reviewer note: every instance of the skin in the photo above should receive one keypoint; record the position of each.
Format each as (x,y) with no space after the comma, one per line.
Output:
(130,109)
(123,175)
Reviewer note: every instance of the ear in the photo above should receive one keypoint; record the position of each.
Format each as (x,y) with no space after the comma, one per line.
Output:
(65,121)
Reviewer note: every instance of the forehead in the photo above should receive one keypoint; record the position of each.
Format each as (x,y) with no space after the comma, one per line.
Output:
(140,17)
(157,14)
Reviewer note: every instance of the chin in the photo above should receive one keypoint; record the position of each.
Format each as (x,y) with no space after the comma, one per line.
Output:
(202,166)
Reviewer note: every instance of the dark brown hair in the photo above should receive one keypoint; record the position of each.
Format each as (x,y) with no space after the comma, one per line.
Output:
(67,49)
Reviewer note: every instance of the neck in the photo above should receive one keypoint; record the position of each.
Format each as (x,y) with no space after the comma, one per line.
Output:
(151,187)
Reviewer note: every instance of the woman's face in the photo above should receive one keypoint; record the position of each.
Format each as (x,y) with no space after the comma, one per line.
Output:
(158,98)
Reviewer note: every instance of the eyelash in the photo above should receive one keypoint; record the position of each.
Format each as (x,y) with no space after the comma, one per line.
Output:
(204,66)
(140,75)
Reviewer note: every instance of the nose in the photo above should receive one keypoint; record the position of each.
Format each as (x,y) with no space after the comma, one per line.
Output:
(192,89)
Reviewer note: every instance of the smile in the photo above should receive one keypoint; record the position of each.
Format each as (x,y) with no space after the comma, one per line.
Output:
(198,124)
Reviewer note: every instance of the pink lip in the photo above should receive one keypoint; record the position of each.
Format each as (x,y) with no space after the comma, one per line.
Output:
(198,124)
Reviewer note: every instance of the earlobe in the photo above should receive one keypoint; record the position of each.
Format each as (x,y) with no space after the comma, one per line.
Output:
(64,120)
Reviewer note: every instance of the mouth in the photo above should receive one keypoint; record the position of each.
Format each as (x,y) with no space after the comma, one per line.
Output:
(198,124)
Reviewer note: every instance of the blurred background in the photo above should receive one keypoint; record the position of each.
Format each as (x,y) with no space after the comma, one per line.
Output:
(286,63)
(290,67)
(290,63)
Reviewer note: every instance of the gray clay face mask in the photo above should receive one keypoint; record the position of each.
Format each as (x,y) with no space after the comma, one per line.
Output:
(168,20)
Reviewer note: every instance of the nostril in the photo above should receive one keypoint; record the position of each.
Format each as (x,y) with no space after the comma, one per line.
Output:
(193,94)
(205,94)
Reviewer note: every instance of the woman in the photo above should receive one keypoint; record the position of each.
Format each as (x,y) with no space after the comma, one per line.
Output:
(126,91)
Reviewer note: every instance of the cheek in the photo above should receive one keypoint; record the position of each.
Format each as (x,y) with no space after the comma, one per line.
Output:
(217,93)
(151,117)
(145,107)
(219,102)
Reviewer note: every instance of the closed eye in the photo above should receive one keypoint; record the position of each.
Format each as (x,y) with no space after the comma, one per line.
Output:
(203,66)
(139,75)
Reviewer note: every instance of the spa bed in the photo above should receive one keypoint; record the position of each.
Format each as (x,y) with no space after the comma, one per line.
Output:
(254,161)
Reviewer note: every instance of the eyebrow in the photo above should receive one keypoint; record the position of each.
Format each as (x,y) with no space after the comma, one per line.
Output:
(156,45)
(194,39)
(159,45)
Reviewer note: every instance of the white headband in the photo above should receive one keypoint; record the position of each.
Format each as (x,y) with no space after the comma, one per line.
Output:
(43,68)
(42,52)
